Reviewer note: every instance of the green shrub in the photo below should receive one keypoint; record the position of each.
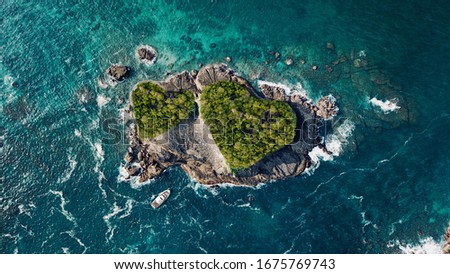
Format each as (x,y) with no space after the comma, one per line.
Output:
(156,110)
(244,127)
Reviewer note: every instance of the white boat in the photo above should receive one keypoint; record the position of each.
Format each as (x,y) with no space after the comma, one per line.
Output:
(162,197)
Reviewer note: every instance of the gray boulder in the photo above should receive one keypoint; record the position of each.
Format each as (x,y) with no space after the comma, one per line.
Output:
(118,72)
(146,54)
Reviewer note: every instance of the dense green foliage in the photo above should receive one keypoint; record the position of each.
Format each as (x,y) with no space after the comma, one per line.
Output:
(156,110)
(244,127)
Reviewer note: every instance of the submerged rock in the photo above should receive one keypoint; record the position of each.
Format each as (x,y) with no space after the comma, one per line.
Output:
(331,46)
(358,62)
(118,72)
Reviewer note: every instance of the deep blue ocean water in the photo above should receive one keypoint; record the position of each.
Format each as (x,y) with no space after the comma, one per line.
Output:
(387,191)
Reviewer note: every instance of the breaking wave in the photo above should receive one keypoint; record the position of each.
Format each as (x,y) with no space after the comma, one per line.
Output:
(288,89)
(425,246)
(102,100)
(334,144)
(386,106)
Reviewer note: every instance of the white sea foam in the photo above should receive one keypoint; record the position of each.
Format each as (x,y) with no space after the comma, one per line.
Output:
(392,226)
(21,209)
(334,143)
(101,83)
(386,106)
(68,173)
(123,174)
(72,234)
(200,189)
(110,232)
(8,80)
(202,249)
(77,133)
(115,211)
(228,185)
(316,155)
(122,113)
(83,98)
(12,93)
(63,204)
(359,198)
(99,156)
(288,89)
(99,150)
(128,209)
(425,246)
(24,210)
(102,100)
(364,221)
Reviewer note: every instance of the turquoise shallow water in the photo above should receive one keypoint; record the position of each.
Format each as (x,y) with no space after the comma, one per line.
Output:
(61,190)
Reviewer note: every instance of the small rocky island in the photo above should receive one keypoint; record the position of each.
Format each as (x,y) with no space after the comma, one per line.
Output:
(146,54)
(267,135)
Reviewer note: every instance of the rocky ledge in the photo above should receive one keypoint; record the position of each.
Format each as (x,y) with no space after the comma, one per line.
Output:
(190,145)
(446,247)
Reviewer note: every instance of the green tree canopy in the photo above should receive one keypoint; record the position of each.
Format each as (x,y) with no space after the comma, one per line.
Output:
(157,110)
(244,127)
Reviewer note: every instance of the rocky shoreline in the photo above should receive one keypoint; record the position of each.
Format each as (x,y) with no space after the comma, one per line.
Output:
(446,247)
(191,146)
